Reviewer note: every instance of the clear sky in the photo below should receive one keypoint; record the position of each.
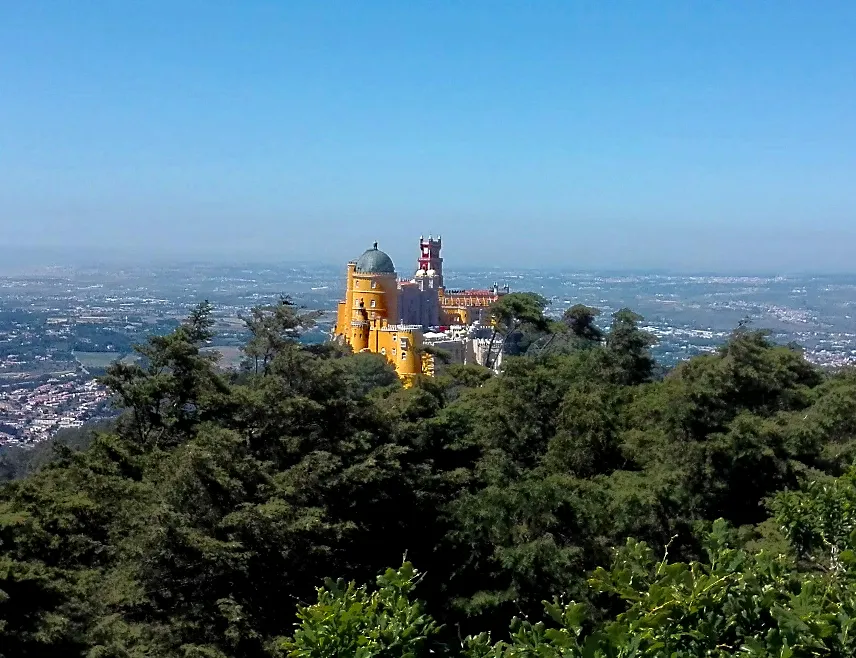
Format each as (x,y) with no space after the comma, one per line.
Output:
(694,135)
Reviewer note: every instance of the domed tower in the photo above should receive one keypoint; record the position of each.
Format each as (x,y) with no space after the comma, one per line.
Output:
(369,318)
(375,286)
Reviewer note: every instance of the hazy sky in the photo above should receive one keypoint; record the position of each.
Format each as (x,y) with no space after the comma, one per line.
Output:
(622,134)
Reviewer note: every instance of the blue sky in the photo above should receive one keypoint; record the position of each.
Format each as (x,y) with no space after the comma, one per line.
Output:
(621,134)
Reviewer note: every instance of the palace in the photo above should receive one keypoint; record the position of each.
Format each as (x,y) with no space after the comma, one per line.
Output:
(398,318)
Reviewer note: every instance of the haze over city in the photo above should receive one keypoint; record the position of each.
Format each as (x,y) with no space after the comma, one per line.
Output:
(669,135)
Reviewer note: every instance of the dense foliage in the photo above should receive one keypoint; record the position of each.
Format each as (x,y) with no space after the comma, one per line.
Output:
(704,513)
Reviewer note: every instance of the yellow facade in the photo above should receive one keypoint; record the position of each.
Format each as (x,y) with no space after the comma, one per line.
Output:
(367,319)
(377,294)
(465,308)
(402,346)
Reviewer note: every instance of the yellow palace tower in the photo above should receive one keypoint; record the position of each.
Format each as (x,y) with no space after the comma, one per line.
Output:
(368,318)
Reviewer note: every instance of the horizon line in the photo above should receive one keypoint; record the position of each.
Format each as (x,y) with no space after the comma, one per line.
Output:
(161,262)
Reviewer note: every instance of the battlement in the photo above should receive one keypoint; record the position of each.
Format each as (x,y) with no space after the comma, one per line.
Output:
(402,327)
(484,292)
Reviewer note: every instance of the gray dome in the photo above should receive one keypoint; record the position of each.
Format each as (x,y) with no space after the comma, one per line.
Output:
(374,261)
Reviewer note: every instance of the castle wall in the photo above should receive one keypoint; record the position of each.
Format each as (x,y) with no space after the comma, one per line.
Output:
(401,345)
(378,294)
(430,315)
(359,340)
(410,304)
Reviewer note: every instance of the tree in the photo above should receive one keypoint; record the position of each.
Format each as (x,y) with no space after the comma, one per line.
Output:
(271,328)
(580,320)
(348,620)
(630,348)
(736,603)
(820,520)
(514,311)
(371,372)
(586,440)
(177,388)
(63,531)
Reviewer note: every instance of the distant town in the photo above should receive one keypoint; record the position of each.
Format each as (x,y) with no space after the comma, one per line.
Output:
(61,327)
(30,415)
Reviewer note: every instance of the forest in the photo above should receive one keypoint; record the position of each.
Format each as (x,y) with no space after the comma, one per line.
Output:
(581,503)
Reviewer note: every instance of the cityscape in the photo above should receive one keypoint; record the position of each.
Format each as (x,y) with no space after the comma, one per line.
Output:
(61,327)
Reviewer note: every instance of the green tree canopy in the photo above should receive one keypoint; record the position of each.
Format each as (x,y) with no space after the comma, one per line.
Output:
(515,312)
(202,522)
